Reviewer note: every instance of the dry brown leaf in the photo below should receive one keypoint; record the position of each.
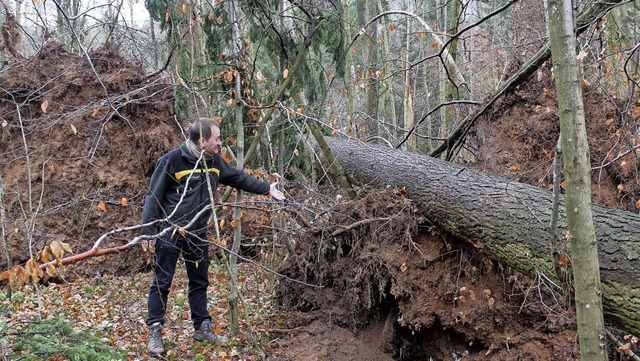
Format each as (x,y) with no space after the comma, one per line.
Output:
(44,106)
(22,275)
(491,302)
(51,269)
(5,275)
(73,128)
(102,206)
(124,202)
(625,349)
(56,249)
(285,74)
(45,255)
(66,247)
(260,77)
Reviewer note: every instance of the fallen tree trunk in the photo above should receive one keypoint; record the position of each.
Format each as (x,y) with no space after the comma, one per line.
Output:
(507,220)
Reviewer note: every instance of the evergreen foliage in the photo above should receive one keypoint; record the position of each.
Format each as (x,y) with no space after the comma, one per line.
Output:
(56,337)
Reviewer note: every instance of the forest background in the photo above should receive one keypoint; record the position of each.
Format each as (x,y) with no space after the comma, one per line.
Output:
(92,88)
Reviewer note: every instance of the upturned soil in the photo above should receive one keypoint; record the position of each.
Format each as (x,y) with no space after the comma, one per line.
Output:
(375,280)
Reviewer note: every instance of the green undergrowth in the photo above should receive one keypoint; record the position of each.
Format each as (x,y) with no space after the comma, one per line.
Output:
(103,318)
(56,339)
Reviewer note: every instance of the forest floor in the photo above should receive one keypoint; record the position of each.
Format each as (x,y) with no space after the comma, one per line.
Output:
(382,283)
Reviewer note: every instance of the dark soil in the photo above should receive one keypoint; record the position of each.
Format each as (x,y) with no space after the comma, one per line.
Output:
(517,139)
(81,151)
(392,286)
(395,288)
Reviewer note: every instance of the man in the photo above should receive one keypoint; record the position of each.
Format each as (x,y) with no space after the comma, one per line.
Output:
(177,197)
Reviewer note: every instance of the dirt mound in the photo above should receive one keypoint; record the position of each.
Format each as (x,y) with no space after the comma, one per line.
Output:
(78,140)
(517,139)
(391,282)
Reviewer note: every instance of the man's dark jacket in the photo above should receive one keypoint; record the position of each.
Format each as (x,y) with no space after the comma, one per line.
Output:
(179,170)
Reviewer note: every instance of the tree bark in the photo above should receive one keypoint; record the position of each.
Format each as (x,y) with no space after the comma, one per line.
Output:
(505,219)
(577,170)
(234,314)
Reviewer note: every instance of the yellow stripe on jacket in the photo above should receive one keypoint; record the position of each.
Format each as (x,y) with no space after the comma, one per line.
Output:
(181,174)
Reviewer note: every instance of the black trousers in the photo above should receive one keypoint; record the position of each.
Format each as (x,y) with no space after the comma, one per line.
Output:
(196,256)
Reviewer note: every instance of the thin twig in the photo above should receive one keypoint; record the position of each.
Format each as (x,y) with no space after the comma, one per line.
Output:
(628,353)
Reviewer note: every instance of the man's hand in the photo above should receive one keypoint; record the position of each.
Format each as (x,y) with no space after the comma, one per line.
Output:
(275,193)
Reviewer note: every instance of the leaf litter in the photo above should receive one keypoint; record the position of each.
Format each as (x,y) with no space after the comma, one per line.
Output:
(392,289)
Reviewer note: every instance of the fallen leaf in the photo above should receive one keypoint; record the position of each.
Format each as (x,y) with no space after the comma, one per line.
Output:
(625,349)
(285,74)
(65,247)
(51,269)
(73,128)
(403,268)
(102,206)
(260,77)
(56,249)
(582,55)
(124,202)
(44,106)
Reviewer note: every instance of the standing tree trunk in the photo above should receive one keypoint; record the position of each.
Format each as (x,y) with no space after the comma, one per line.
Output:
(237,221)
(348,67)
(372,80)
(577,169)
(407,95)
(451,90)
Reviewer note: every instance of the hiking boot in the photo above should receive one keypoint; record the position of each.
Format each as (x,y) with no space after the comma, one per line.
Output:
(155,339)
(205,333)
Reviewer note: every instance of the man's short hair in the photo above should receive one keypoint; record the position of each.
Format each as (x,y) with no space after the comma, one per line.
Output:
(201,129)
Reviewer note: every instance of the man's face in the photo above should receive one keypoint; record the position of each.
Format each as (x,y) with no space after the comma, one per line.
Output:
(211,146)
